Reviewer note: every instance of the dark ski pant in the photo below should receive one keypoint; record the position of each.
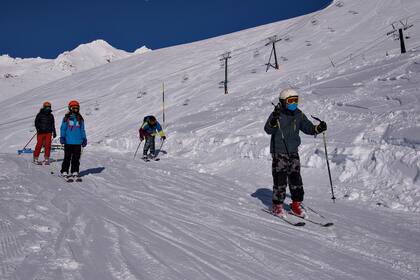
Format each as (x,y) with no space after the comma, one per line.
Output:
(71,156)
(149,144)
(286,171)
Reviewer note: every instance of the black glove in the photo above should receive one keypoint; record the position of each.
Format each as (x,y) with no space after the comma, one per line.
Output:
(54,135)
(275,116)
(276,112)
(321,127)
(163,137)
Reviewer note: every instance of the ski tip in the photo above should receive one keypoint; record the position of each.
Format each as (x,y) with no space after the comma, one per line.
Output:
(300,224)
(328,224)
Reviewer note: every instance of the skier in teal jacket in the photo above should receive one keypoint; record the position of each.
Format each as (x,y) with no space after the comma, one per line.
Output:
(73,137)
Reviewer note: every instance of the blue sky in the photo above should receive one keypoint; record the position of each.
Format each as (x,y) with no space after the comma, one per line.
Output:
(46,28)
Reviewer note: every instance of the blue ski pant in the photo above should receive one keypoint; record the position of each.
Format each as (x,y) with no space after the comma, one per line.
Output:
(149,145)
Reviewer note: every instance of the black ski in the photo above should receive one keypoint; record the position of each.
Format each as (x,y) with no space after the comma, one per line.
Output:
(69,179)
(150,159)
(298,224)
(76,178)
(328,224)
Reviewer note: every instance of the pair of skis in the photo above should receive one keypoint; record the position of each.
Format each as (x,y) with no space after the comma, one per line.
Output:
(298,224)
(146,159)
(71,178)
(44,162)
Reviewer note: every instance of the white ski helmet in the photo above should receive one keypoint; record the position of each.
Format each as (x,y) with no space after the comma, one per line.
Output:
(286,93)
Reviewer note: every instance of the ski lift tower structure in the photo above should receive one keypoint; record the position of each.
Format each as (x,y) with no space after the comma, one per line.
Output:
(397,32)
(225,58)
(272,41)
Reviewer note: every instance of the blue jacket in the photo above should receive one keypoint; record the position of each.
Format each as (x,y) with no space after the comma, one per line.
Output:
(147,130)
(73,129)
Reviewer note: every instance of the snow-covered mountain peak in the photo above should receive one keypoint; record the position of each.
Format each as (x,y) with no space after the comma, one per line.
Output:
(142,50)
(87,56)
(95,46)
(21,74)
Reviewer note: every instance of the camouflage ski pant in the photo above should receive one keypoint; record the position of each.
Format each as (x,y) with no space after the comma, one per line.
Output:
(149,144)
(286,170)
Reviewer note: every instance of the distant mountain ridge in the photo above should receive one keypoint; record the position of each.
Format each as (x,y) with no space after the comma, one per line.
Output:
(93,54)
(21,74)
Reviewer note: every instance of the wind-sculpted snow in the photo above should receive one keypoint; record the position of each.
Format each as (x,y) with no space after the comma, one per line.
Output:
(196,214)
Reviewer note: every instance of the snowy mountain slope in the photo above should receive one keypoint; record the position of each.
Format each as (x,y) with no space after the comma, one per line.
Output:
(196,214)
(18,75)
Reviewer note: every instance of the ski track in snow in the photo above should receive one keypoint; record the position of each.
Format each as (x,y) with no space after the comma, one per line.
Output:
(92,230)
(196,214)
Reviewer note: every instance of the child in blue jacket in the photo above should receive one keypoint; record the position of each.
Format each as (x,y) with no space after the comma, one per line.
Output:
(73,137)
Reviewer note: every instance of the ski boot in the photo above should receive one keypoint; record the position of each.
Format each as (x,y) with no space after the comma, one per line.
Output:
(296,209)
(153,157)
(278,210)
(76,176)
(66,176)
(36,161)
(47,161)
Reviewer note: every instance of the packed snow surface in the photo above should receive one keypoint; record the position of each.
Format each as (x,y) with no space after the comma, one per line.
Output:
(196,214)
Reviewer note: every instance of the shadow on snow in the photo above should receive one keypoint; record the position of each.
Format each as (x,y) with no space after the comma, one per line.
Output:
(95,170)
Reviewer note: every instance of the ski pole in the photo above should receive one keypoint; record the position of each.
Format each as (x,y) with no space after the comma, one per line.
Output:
(160,148)
(54,164)
(137,149)
(30,141)
(328,163)
(282,135)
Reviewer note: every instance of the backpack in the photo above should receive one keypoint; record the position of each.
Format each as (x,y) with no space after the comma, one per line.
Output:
(148,118)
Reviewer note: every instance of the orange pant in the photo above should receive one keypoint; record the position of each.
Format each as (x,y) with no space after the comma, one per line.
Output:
(43,139)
